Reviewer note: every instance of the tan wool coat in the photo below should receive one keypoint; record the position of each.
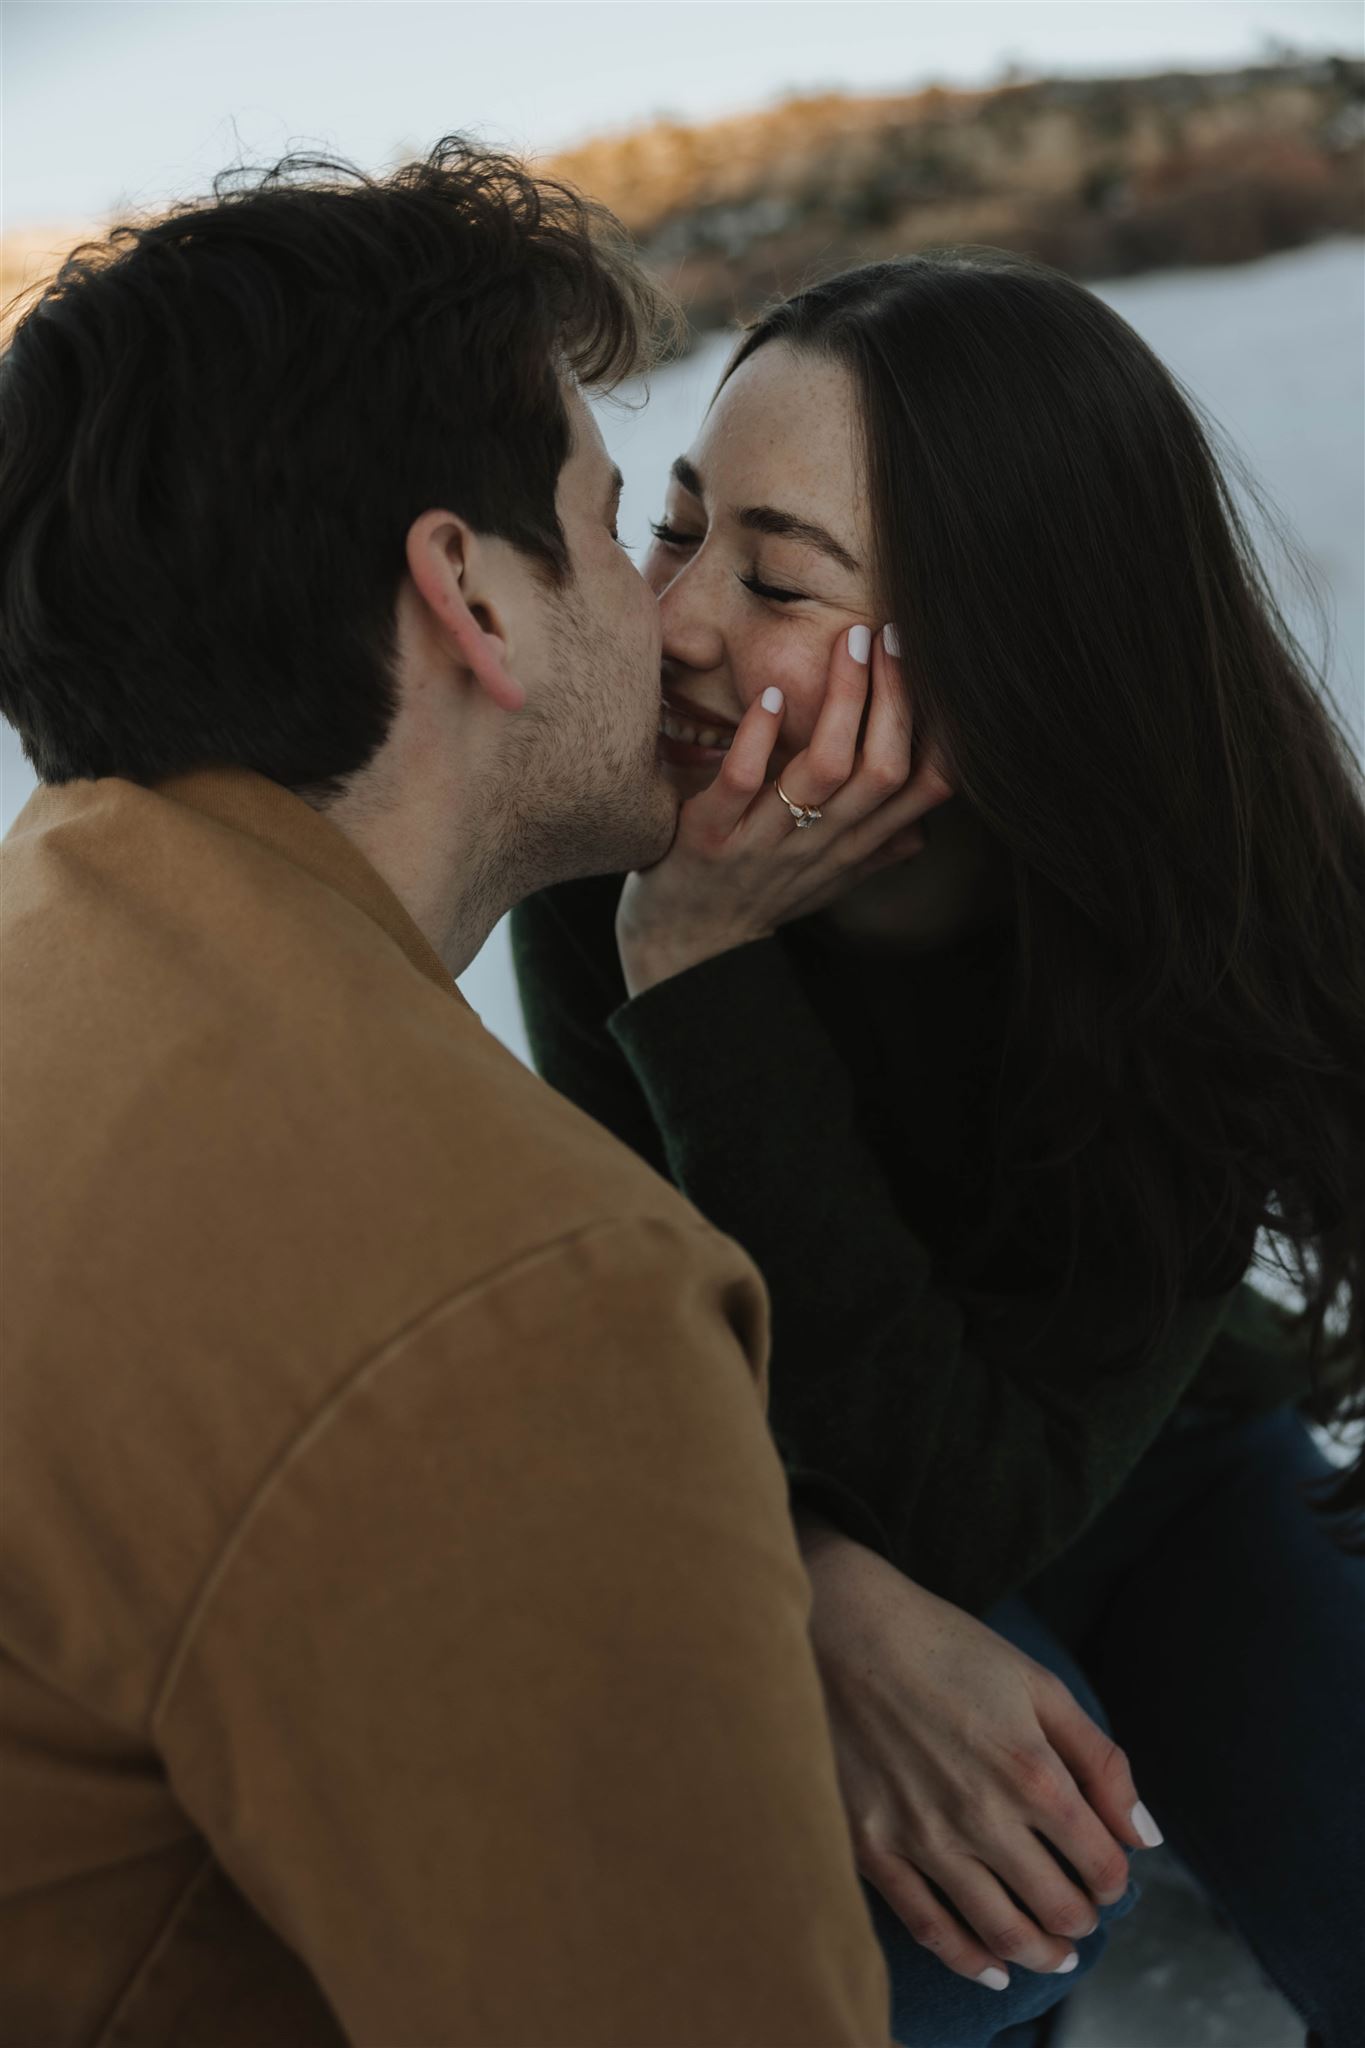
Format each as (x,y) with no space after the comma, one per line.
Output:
(403,1638)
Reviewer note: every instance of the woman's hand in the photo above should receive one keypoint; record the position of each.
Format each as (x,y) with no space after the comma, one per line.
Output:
(739,867)
(956,1752)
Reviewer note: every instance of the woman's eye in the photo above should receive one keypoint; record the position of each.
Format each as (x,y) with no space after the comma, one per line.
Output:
(770,590)
(672,536)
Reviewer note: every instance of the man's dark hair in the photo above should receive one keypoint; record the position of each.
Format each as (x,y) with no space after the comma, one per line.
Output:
(216,429)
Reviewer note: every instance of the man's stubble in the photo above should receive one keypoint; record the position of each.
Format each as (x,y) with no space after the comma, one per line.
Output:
(580,790)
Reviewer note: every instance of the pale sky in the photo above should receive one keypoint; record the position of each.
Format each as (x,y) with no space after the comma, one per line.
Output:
(116,103)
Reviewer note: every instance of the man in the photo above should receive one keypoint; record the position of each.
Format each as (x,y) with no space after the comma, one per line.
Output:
(403,1632)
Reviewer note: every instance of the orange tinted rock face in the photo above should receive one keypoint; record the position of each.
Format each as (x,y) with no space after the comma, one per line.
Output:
(28,257)
(1102,177)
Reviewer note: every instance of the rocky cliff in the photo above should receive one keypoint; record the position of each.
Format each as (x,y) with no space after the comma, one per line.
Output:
(1102,177)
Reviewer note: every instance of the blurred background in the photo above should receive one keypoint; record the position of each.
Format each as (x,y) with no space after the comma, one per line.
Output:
(1201,165)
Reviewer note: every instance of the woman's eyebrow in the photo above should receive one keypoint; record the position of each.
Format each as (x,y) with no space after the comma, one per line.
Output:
(767,519)
(786,526)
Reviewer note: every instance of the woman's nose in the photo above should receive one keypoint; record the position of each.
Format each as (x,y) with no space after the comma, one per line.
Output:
(688,615)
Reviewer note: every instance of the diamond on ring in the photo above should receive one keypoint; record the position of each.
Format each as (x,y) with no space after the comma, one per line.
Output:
(804,814)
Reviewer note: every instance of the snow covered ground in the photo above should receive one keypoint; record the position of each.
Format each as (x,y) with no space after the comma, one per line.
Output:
(1175,1976)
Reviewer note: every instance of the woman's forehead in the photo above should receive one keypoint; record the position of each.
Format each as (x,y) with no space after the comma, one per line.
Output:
(785,428)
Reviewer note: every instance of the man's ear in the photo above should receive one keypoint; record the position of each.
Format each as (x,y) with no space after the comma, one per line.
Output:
(446,561)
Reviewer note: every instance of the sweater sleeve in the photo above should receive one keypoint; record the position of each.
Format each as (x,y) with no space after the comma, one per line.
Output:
(500,1707)
(968,1437)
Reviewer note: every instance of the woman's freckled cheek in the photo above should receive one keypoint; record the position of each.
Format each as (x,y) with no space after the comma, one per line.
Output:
(788,659)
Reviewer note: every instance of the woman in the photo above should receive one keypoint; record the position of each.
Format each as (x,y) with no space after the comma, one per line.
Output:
(1005,979)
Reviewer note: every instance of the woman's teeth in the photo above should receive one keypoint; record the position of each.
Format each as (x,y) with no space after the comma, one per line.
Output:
(675,728)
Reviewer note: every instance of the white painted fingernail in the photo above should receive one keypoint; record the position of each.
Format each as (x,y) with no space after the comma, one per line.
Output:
(891,641)
(860,643)
(1147,1827)
(995,1980)
(772,699)
(1065,1969)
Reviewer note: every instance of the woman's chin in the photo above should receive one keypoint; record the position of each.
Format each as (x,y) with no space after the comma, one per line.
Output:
(689,780)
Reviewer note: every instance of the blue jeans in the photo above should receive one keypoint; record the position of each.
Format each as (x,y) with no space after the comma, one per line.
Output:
(1210,1612)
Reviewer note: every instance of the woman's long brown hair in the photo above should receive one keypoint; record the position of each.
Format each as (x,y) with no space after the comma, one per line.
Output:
(1092,642)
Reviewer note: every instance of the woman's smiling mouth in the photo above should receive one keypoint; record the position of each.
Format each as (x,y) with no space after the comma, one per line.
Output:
(695,734)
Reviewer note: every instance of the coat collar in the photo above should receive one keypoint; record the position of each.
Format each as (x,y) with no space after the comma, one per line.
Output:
(252,803)
(265,811)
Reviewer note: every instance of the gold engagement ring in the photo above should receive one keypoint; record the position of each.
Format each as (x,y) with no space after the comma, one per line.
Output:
(804,814)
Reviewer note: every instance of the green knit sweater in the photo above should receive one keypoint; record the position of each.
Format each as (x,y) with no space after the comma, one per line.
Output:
(829,1108)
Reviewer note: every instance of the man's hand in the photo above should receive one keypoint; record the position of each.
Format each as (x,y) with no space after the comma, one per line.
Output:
(956,1753)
